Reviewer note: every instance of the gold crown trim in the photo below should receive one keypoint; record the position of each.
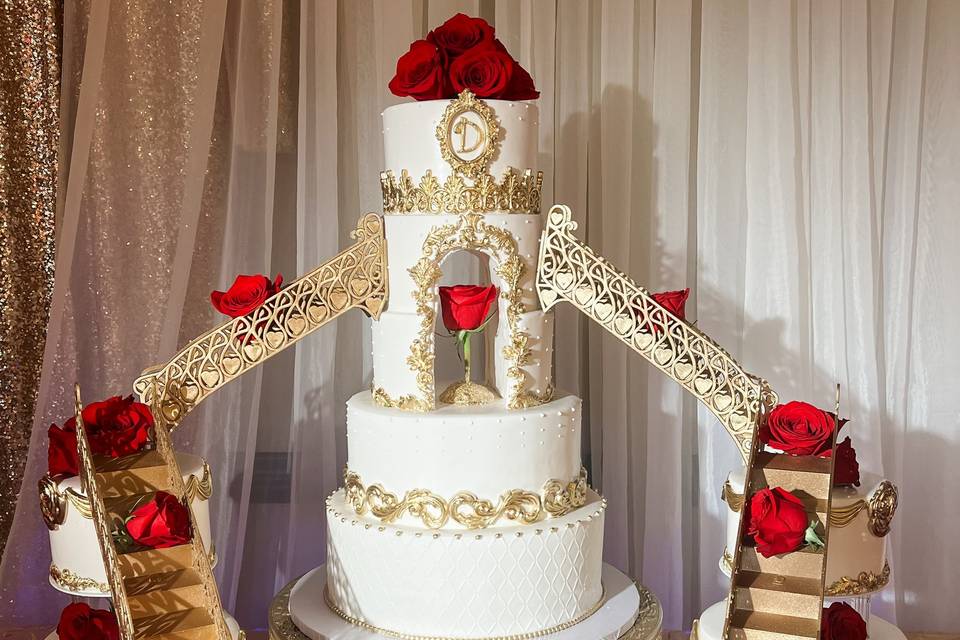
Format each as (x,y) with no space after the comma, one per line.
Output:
(516,192)
(556,498)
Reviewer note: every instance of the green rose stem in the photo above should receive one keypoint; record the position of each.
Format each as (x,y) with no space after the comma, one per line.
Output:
(464,338)
(810,536)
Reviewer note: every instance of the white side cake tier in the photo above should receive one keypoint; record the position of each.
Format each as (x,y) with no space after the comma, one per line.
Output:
(410,140)
(464,584)
(856,563)
(710,626)
(486,450)
(76,565)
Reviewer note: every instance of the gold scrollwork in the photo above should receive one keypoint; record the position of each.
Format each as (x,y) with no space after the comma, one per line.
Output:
(475,152)
(69,581)
(556,499)
(865,582)
(516,193)
(568,270)
(53,504)
(881,508)
(469,232)
(356,277)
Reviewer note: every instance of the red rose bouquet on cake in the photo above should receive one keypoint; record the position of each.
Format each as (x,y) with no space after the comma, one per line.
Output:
(462,53)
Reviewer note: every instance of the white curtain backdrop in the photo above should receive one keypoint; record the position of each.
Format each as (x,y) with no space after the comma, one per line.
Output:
(796,163)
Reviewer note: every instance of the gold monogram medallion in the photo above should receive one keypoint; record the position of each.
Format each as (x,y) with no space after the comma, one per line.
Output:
(469,133)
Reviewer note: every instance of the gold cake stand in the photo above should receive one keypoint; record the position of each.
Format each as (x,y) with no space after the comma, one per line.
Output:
(647,626)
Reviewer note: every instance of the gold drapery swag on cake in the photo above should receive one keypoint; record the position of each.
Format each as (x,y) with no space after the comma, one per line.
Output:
(30,33)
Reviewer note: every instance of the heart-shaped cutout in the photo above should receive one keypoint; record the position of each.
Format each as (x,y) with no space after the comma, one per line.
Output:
(274,339)
(556,217)
(643,340)
(564,280)
(583,294)
(296,324)
(359,286)
(682,370)
(373,305)
(171,411)
(253,351)
(209,378)
(317,312)
(662,355)
(338,299)
(230,364)
(623,325)
(722,401)
(738,422)
(547,297)
(703,385)
(603,310)
(189,393)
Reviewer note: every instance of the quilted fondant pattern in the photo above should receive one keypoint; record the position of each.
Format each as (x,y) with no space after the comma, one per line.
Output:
(465,584)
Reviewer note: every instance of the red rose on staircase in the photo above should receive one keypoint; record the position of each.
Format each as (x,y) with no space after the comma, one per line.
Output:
(846,469)
(162,522)
(465,307)
(673,301)
(78,621)
(459,33)
(421,73)
(799,429)
(840,621)
(245,294)
(778,521)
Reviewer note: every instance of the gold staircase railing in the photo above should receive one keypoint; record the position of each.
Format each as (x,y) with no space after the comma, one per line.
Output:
(158,594)
(570,271)
(356,277)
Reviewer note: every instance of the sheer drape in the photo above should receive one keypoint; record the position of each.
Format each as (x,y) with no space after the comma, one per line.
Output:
(794,163)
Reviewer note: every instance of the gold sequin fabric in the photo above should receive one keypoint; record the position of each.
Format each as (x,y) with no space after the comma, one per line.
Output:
(29,142)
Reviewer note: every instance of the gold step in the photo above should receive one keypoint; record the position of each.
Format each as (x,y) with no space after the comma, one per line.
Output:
(139,473)
(771,593)
(806,475)
(157,593)
(150,561)
(189,624)
(803,563)
(757,625)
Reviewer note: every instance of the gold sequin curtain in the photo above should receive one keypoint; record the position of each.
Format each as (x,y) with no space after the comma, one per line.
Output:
(30,36)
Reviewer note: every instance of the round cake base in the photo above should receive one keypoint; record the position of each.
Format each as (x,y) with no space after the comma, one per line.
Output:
(231,625)
(299,612)
(710,626)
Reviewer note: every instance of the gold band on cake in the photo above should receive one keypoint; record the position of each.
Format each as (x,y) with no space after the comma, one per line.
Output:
(557,498)
(515,192)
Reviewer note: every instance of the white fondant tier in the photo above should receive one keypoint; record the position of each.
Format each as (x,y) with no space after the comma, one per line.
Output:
(854,549)
(486,450)
(76,565)
(710,626)
(627,613)
(410,140)
(464,584)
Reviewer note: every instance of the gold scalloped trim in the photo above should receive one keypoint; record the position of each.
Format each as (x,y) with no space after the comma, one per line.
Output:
(515,193)
(556,499)
(70,581)
(407,636)
(839,516)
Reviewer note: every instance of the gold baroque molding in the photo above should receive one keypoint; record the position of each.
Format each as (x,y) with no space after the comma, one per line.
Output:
(406,403)
(865,582)
(475,152)
(66,579)
(882,507)
(557,498)
(514,193)
(468,232)
(407,636)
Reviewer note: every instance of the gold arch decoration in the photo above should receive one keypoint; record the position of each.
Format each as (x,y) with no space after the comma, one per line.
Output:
(355,278)
(557,498)
(570,271)
(469,232)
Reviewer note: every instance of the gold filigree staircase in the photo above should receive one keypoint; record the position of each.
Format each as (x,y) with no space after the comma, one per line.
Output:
(158,594)
(778,598)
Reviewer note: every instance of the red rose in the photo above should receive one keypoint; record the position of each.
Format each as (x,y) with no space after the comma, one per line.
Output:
(79,622)
(421,74)
(521,85)
(62,455)
(799,429)
(465,306)
(117,426)
(485,70)
(840,621)
(673,301)
(459,33)
(846,469)
(162,522)
(245,294)
(778,521)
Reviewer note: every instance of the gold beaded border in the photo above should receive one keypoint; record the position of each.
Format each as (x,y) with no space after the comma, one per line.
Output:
(408,636)
(556,498)
(515,193)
